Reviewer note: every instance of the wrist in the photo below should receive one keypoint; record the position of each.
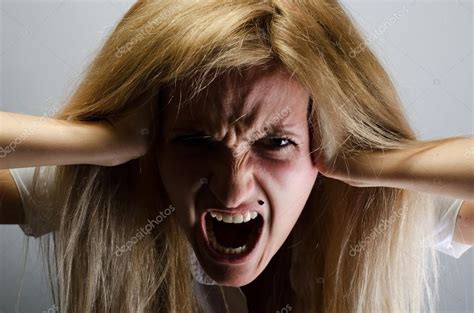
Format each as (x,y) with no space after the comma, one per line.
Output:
(96,142)
(378,169)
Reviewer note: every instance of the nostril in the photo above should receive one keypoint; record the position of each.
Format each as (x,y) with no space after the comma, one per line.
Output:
(260,202)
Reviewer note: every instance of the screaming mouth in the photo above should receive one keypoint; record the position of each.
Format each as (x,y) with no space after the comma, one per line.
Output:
(233,234)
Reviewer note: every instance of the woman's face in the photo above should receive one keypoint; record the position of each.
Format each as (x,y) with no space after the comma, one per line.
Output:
(236,165)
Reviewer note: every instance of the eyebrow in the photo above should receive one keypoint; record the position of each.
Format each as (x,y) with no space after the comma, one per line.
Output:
(283,129)
(191,129)
(277,129)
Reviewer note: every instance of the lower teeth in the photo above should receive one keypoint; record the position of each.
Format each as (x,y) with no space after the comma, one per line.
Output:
(222,249)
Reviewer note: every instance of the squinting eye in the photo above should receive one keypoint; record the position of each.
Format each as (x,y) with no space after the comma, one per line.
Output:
(194,139)
(277,142)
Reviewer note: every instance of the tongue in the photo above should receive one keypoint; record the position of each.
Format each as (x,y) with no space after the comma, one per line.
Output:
(232,235)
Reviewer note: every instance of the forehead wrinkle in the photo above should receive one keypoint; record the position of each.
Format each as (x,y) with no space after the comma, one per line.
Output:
(258,95)
(222,106)
(249,102)
(230,105)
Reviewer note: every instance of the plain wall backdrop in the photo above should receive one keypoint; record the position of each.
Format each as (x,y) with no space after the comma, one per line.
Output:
(425,45)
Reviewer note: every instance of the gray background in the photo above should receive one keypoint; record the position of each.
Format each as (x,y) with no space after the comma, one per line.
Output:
(428,51)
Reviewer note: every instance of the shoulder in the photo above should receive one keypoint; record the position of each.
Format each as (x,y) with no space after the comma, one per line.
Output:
(447,211)
(36,198)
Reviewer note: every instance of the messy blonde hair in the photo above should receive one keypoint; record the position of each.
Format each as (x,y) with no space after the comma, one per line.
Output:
(337,258)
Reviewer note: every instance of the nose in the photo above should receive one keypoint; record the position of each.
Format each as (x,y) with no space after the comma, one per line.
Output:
(232,181)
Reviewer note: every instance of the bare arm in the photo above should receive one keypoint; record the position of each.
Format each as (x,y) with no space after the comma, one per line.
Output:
(28,140)
(444,167)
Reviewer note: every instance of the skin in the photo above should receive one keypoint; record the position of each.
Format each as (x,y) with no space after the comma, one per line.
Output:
(242,163)
(29,140)
(442,166)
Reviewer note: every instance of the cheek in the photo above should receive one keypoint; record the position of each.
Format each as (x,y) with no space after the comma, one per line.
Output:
(291,179)
(180,178)
(187,165)
(288,185)
(181,171)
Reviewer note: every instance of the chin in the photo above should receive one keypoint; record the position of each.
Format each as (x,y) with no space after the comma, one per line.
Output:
(230,277)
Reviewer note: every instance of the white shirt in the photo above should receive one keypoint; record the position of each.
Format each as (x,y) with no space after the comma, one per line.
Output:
(207,290)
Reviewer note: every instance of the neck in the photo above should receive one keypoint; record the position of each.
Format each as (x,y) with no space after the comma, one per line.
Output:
(272,284)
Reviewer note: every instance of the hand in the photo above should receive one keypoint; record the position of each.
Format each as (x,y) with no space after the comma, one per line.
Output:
(443,166)
(361,169)
(130,132)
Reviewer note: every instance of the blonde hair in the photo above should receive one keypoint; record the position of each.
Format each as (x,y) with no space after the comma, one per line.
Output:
(339,257)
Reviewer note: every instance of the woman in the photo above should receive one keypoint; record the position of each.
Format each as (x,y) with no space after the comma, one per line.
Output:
(240,108)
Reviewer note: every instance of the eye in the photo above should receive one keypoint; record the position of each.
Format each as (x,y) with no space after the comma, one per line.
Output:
(277,143)
(195,139)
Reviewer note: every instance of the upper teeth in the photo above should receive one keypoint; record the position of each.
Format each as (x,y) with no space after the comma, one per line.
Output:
(236,218)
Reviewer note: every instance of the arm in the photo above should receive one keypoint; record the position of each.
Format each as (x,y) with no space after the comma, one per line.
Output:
(28,140)
(444,167)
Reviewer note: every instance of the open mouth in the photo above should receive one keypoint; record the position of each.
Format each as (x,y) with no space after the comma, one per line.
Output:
(233,235)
